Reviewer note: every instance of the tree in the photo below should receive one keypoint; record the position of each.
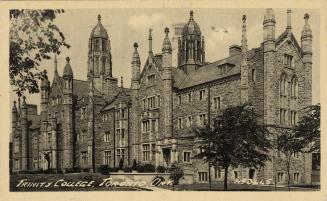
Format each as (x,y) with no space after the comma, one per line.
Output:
(308,129)
(236,138)
(288,144)
(33,37)
(175,174)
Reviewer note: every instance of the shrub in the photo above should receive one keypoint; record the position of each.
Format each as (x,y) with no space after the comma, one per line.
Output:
(104,169)
(161,169)
(146,168)
(85,170)
(113,169)
(128,169)
(176,173)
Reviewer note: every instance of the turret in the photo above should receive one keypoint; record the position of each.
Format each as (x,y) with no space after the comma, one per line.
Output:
(68,117)
(24,137)
(306,46)
(289,21)
(150,41)
(14,116)
(269,30)
(45,86)
(136,63)
(244,65)
(167,79)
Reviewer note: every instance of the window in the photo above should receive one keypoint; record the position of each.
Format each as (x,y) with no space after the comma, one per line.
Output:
(83,136)
(83,158)
(253,75)
(107,157)
(180,125)
(217,173)
(203,176)
(189,97)
(16,145)
(104,45)
(187,156)
(145,126)
(49,140)
(151,79)
(120,154)
(83,113)
(159,100)
(296,176)
(123,113)
(96,70)
(179,99)
(16,164)
(235,175)
(288,61)
(202,94)
(189,121)
(151,102)
(146,152)
(283,100)
(97,45)
(217,103)
(106,137)
(202,119)
(293,117)
(280,176)
(144,104)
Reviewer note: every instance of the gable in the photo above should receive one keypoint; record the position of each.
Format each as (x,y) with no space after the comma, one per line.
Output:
(152,67)
(283,38)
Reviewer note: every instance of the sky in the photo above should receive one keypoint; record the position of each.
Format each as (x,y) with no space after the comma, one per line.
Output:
(220,28)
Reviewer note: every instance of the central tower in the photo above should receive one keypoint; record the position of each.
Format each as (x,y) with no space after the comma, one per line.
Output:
(191,53)
(99,57)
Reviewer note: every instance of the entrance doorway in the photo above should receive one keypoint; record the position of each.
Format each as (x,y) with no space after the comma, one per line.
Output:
(251,173)
(166,152)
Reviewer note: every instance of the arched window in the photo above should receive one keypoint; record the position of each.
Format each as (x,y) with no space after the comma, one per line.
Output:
(294,88)
(283,86)
(103,65)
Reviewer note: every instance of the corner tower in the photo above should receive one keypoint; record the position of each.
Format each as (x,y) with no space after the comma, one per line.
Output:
(190,54)
(99,57)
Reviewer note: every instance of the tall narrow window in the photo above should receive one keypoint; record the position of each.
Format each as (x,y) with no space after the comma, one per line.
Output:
(253,75)
(107,157)
(146,152)
(104,65)
(217,103)
(283,99)
(83,158)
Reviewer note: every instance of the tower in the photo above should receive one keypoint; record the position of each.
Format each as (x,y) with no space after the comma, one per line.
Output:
(306,46)
(99,58)
(244,65)
(167,80)
(45,86)
(190,53)
(68,117)
(136,63)
(269,71)
(24,138)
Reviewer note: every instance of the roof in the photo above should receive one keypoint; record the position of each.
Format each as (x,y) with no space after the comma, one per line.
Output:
(81,87)
(123,94)
(283,36)
(99,31)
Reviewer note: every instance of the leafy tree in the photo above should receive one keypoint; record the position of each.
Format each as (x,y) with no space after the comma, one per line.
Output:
(175,174)
(308,129)
(33,37)
(236,138)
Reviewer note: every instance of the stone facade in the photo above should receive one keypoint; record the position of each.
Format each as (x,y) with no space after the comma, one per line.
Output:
(86,124)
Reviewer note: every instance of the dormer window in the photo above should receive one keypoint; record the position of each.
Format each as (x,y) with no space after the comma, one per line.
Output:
(151,79)
(288,61)
(83,112)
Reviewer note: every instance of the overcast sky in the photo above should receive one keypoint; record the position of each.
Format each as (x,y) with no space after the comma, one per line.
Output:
(220,27)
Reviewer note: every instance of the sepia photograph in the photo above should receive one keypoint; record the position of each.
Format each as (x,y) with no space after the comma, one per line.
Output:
(164,99)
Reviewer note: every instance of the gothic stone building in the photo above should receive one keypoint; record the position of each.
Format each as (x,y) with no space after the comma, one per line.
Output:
(87,124)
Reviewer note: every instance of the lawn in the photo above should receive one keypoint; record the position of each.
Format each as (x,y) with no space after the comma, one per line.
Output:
(64,182)
(218,186)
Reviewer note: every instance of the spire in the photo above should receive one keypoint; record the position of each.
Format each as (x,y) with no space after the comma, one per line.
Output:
(121,82)
(244,39)
(136,56)
(55,65)
(99,19)
(289,20)
(191,15)
(269,16)
(24,102)
(68,72)
(166,46)
(306,31)
(150,41)
(14,108)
